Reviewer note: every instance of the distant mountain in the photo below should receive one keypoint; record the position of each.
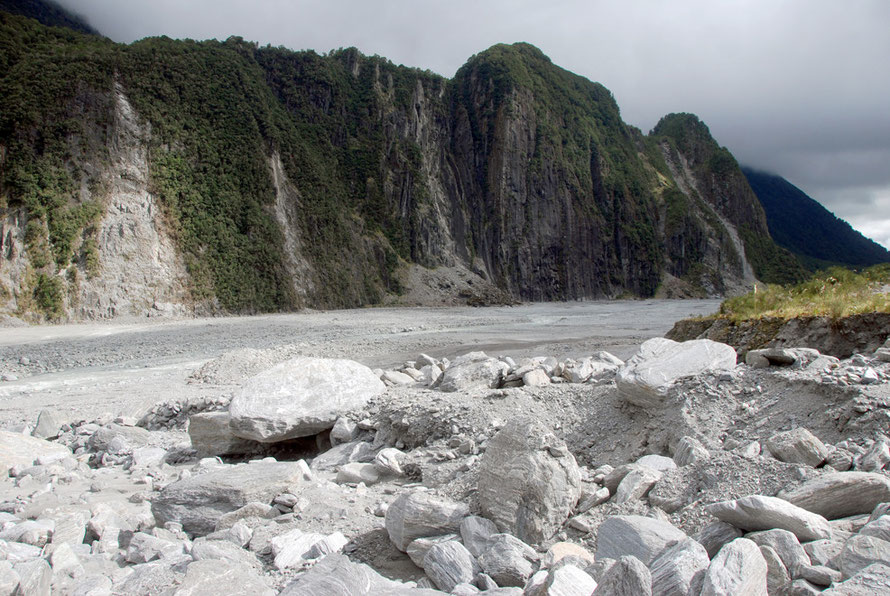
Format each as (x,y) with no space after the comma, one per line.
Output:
(48,13)
(809,230)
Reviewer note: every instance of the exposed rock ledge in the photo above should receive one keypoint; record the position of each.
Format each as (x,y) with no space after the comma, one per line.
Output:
(843,337)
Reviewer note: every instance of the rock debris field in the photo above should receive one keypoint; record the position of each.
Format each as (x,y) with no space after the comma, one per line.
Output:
(553,450)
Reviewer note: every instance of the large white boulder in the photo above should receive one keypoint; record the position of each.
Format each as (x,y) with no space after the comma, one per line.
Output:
(645,378)
(300,397)
(529,482)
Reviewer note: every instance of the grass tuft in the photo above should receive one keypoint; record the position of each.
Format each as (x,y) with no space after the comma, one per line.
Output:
(835,293)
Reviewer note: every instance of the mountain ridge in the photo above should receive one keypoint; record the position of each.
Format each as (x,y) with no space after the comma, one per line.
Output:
(288,179)
(802,225)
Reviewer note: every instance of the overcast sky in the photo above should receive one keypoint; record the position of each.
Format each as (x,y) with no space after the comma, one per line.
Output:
(797,87)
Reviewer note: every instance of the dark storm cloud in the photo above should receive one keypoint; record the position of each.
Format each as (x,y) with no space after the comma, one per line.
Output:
(797,87)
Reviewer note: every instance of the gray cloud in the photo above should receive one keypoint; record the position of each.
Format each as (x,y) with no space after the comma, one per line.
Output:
(798,87)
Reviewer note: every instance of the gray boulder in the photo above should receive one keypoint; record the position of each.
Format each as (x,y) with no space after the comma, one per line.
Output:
(118,439)
(475,370)
(22,450)
(627,577)
(869,581)
(529,482)
(777,576)
(509,561)
(786,546)
(739,569)
(644,380)
(450,563)
(211,435)
(861,551)
(336,575)
(677,568)
(567,580)
(797,446)
(641,537)
(49,422)
(418,549)
(690,450)
(420,514)
(198,502)
(206,578)
(840,494)
(758,512)
(300,397)
(476,533)
(715,535)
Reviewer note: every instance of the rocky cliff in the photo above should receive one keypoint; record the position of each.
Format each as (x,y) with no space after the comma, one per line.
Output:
(172,176)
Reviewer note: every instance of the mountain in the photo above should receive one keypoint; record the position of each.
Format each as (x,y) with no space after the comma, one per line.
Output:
(809,230)
(48,13)
(173,176)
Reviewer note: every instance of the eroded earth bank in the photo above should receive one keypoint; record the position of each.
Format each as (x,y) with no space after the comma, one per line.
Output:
(542,449)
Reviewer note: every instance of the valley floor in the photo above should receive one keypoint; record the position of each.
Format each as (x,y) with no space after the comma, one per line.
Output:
(123,368)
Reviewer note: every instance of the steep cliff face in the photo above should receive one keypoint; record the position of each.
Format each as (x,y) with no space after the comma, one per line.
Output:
(171,176)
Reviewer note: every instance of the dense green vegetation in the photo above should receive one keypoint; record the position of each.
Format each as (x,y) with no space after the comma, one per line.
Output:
(806,228)
(356,136)
(836,293)
(723,183)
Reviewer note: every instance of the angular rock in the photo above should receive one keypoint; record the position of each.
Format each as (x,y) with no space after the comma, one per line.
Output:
(644,380)
(678,567)
(840,494)
(785,545)
(758,512)
(879,528)
(420,514)
(557,552)
(820,575)
(35,577)
(118,439)
(419,547)
(509,561)
(476,533)
(568,580)
(536,378)
(203,549)
(797,446)
(49,423)
(529,482)
(636,484)
(861,551)
(206,577)
(342,454)
(292,548)
(657,462)
(777,575)
(394,377)
(357,472)
(300,397)
(627,577)
(450,563)
(876,458)
(149,579)
(344,431)
(473,371)
(739,569)
(9,579)
(199,501)
(145,547)
(253,510)
(211,435)
(388,462)
(867,582)
(824,552)
(641,537)
(21,450)
(336,575)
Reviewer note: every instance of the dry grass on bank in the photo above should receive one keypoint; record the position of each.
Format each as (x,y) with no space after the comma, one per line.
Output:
(834,293)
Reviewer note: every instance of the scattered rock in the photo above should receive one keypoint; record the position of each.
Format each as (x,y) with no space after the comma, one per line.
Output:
(739,569)
(641,537)
(797,446)
(758,512)
(840,494)
(419,514)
